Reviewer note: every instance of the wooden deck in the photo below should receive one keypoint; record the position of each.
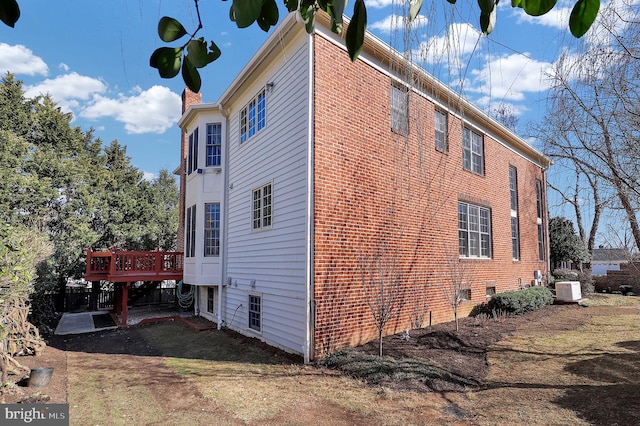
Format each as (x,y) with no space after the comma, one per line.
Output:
(123,268)
(131,266)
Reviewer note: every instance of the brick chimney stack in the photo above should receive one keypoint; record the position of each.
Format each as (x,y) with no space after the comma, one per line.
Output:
(188,98)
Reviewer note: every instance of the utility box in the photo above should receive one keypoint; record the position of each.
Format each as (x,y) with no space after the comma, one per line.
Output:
(568,291)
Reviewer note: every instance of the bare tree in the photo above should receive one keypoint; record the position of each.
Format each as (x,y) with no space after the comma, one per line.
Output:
(591,125)
(383,284)
(506,115)
(456,283)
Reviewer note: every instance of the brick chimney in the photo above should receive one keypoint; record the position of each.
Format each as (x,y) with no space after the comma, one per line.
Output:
(188,98)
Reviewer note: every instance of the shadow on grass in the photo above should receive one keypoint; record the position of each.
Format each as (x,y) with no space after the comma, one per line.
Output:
(616,400)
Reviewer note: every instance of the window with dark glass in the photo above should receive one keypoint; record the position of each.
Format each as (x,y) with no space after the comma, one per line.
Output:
(513,195)
(192,155)
(190,227)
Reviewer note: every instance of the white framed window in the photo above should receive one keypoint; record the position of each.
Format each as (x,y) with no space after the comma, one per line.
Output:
(539,207)
(474,231)
(255,312)
(513,195)
(190,228)
(212,300)
(192,155)
(253,117)
(262,207)
(441,130)
(472,151)
(212,229)
(214,145)
(399,96)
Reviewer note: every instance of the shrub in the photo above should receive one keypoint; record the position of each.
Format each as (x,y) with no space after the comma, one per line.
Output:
(521,301)
(587,282)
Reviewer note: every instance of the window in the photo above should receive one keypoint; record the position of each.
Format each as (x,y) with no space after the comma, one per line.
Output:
(474,230)
(399,109)
(490,291)
(464,294)
(192,155)
(255,312)
(539,206)
(253,117)
(190,250)
(212,300)
(441,130)
(212,229)
(214,144)
(262,207)
(513,193)
(513,187)
(472,151)
(515,241)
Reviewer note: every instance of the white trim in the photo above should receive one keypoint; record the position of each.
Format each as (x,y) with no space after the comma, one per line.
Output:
(308,349)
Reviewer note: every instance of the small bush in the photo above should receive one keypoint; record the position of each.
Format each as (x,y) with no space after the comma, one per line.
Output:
(587,282)
(521,301)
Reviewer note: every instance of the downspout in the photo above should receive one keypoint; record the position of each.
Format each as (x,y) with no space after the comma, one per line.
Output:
(308,350)
(225,215)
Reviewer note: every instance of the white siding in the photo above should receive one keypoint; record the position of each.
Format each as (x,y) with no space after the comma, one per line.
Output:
(205,187)
(276,258)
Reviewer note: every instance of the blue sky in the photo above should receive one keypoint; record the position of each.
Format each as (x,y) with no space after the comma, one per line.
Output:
(93,58)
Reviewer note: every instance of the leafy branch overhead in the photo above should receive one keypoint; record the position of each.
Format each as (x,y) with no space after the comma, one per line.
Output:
(196,53)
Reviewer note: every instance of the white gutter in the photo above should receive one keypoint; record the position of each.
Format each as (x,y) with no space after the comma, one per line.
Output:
(262,55)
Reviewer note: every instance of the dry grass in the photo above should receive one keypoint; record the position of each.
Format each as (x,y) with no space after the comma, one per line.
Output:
(564,378)
(536,377)
(600,299)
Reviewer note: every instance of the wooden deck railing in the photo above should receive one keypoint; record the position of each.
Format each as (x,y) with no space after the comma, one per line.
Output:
(129,266)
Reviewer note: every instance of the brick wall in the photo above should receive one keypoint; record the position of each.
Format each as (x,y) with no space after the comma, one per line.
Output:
(629,274)
(386,203)
(188,98)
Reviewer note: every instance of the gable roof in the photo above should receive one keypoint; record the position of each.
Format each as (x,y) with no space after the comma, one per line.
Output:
(611,255)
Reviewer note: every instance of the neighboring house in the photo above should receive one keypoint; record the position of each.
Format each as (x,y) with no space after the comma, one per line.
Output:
(608,259)
(313,178)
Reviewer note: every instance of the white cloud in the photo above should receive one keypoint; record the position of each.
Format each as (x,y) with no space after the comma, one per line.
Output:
(67,89)
(396,21)
(150,111)
(508,78)
(148,176)
(558,17)
(459,40)
(378,4)
(64,67)
(20,60)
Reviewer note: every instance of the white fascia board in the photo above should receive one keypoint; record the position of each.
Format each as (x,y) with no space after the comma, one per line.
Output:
(194,111)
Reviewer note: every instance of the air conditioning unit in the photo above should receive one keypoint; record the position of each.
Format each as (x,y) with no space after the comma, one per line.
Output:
(537,277)
(568,291)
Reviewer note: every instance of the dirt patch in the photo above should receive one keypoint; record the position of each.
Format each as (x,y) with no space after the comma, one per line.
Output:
(461,355)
